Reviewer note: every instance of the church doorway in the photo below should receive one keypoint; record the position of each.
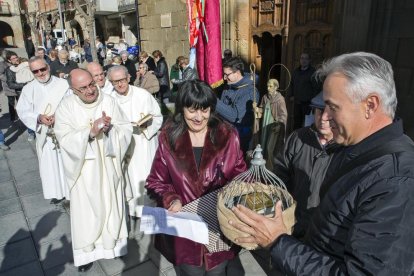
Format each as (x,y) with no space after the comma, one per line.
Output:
(6,35)
(268,52)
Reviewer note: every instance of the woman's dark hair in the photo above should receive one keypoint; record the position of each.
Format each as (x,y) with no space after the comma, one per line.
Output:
(196,94)
(157,53)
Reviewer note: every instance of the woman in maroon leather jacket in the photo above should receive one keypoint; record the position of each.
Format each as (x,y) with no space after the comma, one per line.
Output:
(197,154)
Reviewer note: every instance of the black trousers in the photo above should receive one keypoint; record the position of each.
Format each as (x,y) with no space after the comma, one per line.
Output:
(299,111)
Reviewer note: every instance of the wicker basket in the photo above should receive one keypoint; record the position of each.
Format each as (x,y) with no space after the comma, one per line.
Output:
(259,190)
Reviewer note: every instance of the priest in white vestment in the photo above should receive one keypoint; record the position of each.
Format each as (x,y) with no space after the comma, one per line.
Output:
(98,76)
(36,108)
(94,135)
(136,103)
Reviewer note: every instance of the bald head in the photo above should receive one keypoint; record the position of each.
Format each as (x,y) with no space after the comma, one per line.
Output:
(97,73)
(76,75)
(82,84)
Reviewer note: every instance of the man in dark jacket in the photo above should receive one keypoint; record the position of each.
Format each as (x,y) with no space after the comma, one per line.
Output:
(62,66)
(30,48)
(12,98)
(363,225)
(303,88)
(303,162)
(236,102)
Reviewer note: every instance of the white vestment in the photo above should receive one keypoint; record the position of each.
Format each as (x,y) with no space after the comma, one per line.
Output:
(108,88)
(94,175)
(43,98)
(138,161)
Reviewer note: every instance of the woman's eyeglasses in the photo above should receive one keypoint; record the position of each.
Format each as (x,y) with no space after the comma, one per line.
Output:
(40,70)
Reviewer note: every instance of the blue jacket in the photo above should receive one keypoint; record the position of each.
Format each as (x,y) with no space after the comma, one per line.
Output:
(236,102)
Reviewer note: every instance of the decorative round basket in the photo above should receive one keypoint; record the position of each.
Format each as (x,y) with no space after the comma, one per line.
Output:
(257,189)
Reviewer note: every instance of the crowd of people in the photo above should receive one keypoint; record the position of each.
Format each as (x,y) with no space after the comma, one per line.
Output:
(104,144)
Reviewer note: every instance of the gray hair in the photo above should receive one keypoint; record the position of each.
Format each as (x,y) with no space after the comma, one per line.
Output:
(143,64)
(124,53)
(366,73)
(36,58)
(117,68)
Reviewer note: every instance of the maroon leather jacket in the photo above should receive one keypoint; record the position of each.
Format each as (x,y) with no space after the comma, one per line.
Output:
(174,175)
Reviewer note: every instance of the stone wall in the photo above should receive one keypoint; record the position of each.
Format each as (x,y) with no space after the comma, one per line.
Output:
(242,29)
(171,41)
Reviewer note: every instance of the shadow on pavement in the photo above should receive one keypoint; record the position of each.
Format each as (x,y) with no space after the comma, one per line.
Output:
(13,131)
(19,251)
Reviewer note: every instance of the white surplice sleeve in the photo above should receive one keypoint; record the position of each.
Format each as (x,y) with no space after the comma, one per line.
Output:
(25,107)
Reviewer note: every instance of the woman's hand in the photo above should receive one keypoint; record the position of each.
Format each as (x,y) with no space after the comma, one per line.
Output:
(175,206)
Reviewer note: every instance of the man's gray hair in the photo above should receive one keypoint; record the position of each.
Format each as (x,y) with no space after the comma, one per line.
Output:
(117,68)
(366,73)
(36,58)
(124,52)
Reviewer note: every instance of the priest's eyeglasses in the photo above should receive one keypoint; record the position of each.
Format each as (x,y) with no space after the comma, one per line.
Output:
(87,88)
(121,81)
(40,70)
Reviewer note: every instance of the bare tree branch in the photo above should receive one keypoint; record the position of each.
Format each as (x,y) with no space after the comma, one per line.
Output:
(89,17)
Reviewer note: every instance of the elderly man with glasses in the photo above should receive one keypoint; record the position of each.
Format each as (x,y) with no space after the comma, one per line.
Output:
(36,108)
(137,103)
(94,135)
(62,66)
(147,80)
(99,78)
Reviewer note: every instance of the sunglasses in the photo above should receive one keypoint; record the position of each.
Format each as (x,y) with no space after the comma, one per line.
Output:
(40,70)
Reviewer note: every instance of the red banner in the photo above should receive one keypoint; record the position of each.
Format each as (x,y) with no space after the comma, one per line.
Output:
(204,21)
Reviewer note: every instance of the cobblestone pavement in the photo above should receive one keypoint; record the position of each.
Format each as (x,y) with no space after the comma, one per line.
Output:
(35,235)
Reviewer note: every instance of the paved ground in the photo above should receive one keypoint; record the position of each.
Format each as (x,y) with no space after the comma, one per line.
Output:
(35,235)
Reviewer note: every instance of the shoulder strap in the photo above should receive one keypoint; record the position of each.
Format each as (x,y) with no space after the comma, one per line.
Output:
(388,148)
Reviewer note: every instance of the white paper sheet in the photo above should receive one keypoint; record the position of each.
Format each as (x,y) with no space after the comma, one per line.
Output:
(182,224)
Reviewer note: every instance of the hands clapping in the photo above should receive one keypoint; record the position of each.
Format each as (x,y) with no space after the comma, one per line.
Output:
(102,124)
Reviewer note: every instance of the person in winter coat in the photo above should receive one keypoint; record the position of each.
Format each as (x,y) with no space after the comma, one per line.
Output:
(130,65)
(145,58)
(302,164)
(303,88)
(363,225)
(146,80)
(11,94)
(236,102)
(188,73)
(30,48)
(62,66)
(14,88)
(162,75)
(197,154)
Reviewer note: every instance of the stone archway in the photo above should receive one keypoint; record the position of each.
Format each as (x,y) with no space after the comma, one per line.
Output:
(6,35)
